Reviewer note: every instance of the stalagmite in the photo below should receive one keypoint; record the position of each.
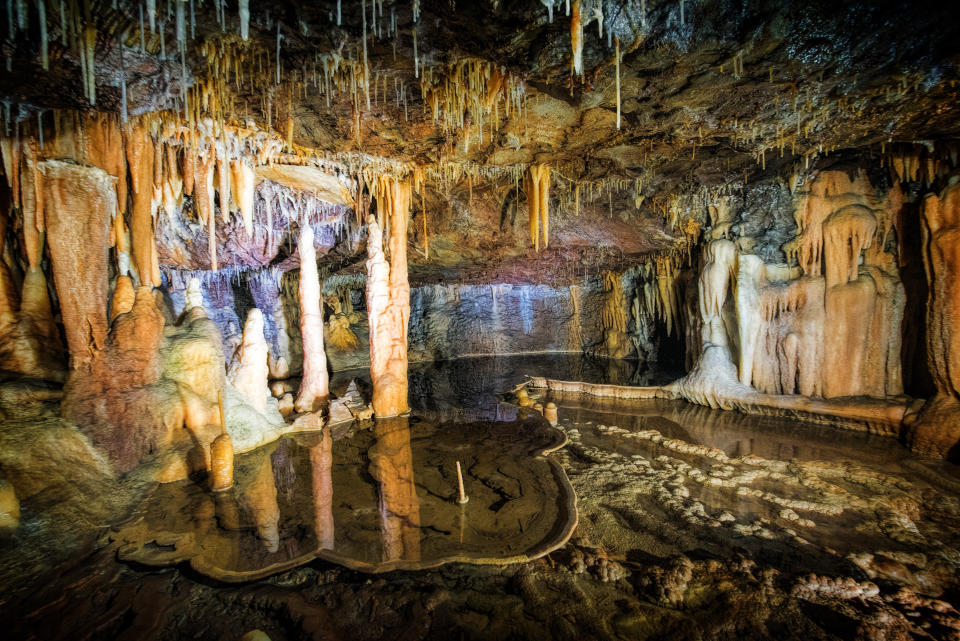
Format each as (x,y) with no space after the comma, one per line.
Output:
(140,159)
(221,463)
(79,203)
(251,371)
(314,387)
(576,39)
(194,297)
(388,300)
(123,297)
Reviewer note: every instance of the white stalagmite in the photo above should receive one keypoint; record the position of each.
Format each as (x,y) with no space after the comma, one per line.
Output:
(314,387)
(245,18)
(250,374)
(194,295)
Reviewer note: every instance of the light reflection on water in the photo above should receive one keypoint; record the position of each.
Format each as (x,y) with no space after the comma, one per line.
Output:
(373,498)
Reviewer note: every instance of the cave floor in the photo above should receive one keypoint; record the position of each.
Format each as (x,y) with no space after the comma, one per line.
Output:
(693,524)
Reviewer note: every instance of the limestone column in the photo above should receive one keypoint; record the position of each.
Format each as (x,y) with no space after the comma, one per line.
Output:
(314,387)
(936,431)
(388,301)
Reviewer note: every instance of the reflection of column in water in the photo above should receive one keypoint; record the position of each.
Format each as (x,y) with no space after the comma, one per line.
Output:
(321,464)
(391,465)
(259,499)
(228,512)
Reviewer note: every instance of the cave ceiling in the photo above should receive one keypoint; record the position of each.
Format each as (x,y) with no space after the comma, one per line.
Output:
(712,95)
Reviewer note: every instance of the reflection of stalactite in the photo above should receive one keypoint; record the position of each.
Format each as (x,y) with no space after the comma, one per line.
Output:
(391,464)
(321,464)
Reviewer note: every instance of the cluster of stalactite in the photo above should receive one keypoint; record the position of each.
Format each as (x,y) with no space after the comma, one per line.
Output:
(466,96)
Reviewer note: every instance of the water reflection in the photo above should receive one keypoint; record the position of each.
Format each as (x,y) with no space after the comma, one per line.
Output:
(391,464)
(466,389)
(372,499)
(321,468)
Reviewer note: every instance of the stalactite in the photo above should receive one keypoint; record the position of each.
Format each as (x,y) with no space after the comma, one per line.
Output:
(538,204)
(244,184)
(212,240)
(203,186)
(44,51)
(244,8)
(152,15)
(617,69)
(613,317)
(90,44)
(79,203)
(314,386)
(223,181)
(140,159)
(576,39)
(32,205)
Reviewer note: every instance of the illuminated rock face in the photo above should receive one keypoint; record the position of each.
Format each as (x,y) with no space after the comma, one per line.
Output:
(828,328)
(388,302)
(314,387)
(936,431)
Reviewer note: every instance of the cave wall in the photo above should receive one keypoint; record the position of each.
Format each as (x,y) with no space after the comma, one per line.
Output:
(446,320)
